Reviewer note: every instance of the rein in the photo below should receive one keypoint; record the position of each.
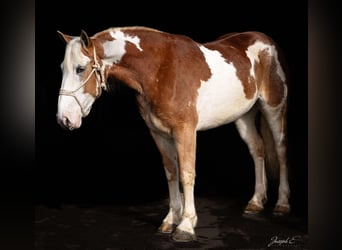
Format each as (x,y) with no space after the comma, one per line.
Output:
(99,73)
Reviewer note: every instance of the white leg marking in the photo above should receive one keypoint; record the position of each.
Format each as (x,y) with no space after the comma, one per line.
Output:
(176,207)
(189,218)
(260,196)
(249,134)
(277,123)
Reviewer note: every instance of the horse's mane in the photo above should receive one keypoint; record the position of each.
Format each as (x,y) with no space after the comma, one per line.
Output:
(126,28)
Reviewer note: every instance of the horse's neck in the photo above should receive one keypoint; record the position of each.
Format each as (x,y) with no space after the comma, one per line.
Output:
(126,61)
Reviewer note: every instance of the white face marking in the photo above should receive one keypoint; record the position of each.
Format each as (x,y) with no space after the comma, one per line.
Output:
(253,55)
(68,106)
(114,50)
(72,59)
(221,99)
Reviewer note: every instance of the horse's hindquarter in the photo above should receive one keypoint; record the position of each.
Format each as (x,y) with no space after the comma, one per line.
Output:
(225,96)
(244,66)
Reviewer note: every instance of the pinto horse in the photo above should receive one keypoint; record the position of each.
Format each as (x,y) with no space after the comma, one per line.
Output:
(182,87)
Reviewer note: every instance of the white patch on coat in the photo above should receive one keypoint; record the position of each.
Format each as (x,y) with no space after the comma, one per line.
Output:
(221,99)
(115,50)
(253,55)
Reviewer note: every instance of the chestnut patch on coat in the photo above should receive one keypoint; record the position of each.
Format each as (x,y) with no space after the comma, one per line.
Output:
(273,86)
(176,66)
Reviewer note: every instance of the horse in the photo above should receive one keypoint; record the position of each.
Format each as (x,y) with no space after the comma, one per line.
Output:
(182,87)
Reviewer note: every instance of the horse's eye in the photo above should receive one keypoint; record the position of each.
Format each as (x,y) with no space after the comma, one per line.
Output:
(80,69)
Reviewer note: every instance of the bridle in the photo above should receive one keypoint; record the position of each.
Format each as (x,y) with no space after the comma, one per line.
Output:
(100,82)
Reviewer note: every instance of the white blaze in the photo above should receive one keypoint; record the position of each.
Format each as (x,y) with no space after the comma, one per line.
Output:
(68,106)
(72,59)
(221,99)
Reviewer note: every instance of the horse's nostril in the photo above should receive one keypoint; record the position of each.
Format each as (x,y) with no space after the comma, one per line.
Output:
(66,122)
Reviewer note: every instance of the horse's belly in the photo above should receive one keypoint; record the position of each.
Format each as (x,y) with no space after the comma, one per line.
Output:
(222,100)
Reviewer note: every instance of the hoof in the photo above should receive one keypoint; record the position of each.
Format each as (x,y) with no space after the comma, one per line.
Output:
(182,236)
(253,209)
(280,210)
(165,228)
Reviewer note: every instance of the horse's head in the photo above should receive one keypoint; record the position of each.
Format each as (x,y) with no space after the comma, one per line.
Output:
(82,81)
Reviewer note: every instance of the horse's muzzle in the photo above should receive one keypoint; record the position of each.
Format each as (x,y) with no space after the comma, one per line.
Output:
(65,123)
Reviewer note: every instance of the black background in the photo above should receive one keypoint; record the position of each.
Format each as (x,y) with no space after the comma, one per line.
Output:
(112,157)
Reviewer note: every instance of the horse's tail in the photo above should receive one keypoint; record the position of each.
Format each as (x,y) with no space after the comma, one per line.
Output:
(271,158)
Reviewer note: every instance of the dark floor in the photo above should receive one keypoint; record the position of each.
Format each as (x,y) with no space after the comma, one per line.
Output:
(221,225)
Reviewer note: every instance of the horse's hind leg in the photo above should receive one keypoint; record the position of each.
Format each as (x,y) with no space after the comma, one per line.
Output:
(168,152)
(248,132)
(276,118)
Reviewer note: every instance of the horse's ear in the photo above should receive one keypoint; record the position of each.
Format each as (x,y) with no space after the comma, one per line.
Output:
(86,42)
(65,37)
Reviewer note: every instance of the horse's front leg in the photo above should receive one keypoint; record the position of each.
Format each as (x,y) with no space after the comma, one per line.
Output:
(185,140)
(168,152)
